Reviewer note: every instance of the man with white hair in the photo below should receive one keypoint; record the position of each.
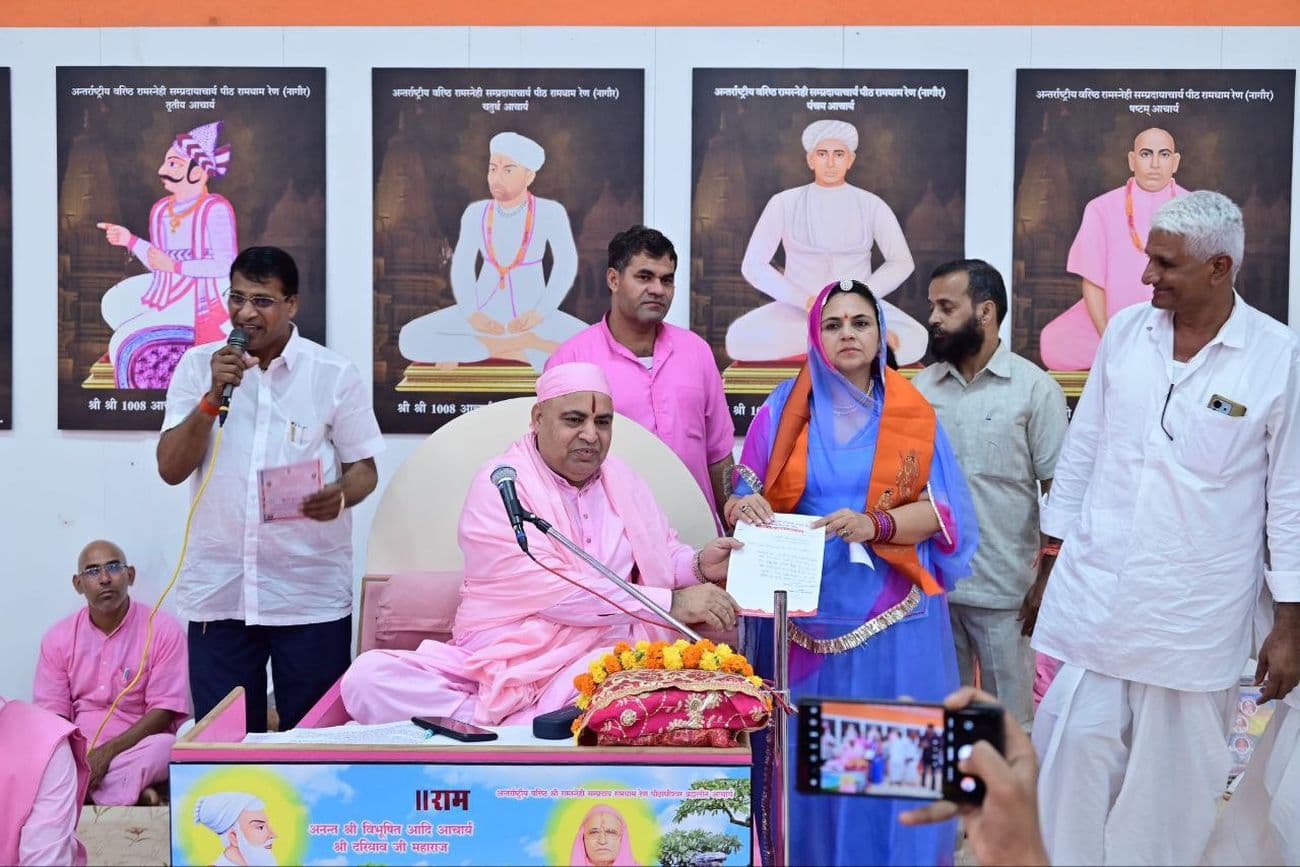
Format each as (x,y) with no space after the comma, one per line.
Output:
(239,820)
(190,248)
(827,229)
(1181,467)
(506,309)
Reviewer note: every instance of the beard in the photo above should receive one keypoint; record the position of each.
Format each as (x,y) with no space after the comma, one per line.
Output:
(957,346)
(254,856)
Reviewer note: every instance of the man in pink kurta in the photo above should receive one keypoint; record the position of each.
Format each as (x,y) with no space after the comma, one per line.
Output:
(43,778)
(660,376)
(88,658)
(524,629)
(1109,252)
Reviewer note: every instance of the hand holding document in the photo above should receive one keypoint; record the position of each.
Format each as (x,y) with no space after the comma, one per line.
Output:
(784,554)
(283,489)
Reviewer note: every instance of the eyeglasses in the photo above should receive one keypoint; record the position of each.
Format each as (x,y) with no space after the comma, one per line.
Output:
(261,302)
(112,567)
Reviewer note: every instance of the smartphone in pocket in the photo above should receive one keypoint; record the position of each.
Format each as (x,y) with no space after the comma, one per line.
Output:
(892,749)
(454,728)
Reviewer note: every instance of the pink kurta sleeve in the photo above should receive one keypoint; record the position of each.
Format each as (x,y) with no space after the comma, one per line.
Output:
(49,834)
(168,685)
(719,429)
(52,689)
(1088,252)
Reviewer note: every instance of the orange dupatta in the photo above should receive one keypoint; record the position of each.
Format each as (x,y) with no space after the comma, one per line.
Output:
(899,471)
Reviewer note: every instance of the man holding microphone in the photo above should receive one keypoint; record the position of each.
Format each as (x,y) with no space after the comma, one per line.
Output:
(254,589)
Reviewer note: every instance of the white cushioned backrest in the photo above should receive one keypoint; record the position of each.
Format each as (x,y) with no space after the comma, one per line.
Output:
(415,524)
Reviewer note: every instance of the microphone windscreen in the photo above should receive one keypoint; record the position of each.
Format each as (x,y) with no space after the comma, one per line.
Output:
(503,474)
(238,338)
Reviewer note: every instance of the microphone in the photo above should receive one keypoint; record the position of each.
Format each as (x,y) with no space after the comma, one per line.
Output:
(504,478)
(238,339)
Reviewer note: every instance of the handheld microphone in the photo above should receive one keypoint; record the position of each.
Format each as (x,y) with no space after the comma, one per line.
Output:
(504,478)
(238,339)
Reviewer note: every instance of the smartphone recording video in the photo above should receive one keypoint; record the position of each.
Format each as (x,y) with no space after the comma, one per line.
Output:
(891,749)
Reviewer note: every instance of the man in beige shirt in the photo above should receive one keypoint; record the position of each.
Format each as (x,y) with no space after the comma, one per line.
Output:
(1006,418)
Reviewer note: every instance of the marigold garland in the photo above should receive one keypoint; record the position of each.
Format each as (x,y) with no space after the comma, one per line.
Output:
(680,654)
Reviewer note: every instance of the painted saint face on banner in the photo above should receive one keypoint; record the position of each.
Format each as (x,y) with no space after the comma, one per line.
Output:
(1154,159)
(180,178)
(830,161)
(254,838)
(507,179)
(602,834)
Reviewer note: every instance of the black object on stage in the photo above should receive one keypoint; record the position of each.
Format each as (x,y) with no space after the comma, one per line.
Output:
(556,725)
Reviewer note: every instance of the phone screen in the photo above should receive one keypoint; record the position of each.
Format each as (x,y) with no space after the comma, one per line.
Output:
(886,749)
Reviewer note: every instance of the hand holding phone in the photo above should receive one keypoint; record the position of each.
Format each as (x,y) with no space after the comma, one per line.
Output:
(892,749)
(454,728)
(1003,829)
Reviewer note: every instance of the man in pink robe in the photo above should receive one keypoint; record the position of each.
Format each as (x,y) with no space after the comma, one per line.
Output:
(526,628)
(43,777)
(1109,252)
(88,658)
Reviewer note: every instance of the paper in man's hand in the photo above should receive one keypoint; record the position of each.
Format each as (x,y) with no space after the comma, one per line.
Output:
(783,555)
(282,489)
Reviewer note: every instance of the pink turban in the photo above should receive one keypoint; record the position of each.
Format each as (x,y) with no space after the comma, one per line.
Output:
(572,377)
(200,145)
(578,856)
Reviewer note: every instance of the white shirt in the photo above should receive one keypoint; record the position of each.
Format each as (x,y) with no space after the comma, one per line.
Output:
(1164,540)
(308,403)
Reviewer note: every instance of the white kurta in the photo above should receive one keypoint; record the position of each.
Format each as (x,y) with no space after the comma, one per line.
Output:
(827,234)
(1164,506)
(479,287)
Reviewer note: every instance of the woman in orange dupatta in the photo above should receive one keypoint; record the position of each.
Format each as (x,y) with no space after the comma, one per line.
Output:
(852,441)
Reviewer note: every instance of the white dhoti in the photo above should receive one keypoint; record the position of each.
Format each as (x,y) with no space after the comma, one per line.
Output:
(1131,773)
(1261,824)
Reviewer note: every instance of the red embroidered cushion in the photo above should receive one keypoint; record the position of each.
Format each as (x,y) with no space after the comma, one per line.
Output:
(662,708)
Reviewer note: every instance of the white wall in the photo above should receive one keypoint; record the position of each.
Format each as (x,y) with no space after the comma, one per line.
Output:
(61,489)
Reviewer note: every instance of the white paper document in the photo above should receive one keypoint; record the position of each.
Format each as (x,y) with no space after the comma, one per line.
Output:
(783,555)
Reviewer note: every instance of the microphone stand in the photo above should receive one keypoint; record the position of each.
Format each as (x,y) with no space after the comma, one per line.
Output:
(605,571)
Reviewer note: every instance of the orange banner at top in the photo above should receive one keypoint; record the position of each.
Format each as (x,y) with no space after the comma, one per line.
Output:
(664,13)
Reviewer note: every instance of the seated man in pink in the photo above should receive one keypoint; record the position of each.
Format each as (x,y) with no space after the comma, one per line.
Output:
(1109,252)
(43,777)
(87,659)
(526,627)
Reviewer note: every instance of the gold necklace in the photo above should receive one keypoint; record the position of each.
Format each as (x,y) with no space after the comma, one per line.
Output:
(174,219)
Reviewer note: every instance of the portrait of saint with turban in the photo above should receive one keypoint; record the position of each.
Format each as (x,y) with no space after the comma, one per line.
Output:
(188,247)
(506,306)
(239,820)
(827,229)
